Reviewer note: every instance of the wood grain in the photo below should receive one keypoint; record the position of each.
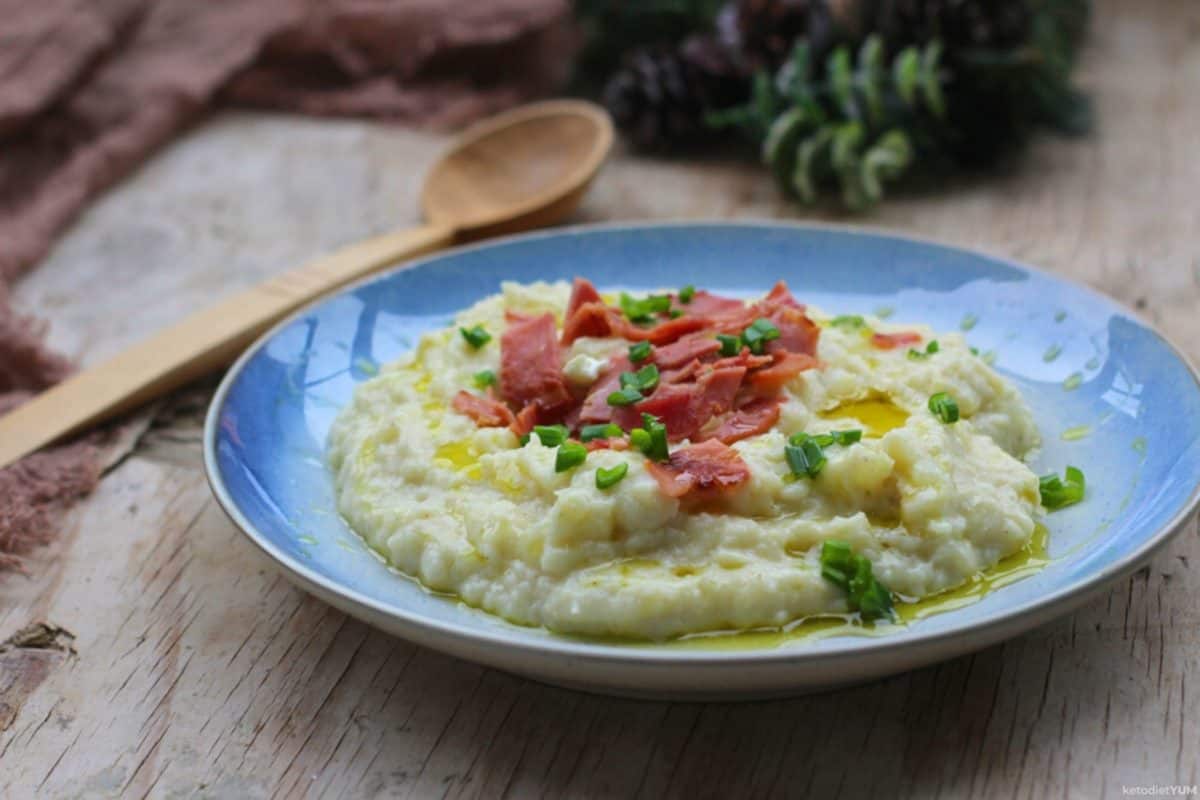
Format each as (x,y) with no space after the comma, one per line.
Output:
(200,672)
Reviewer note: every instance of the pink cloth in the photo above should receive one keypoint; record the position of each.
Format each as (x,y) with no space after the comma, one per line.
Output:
(89,88)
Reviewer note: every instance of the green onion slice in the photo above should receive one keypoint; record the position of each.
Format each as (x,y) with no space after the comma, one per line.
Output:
(551,435)
(644,380)
(477,337)
(651,438)
(930,349)
(730,345)
(1061,492)
(640,351)
(570,455)
(944,407)
(852,573)
(610,430)
(625,397)
(644,309)
(485,378)
(804,456)
(686,294)
(607,478)
(849,322)
(758,334)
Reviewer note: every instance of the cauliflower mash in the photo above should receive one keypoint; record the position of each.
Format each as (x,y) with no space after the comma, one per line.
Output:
(641,532)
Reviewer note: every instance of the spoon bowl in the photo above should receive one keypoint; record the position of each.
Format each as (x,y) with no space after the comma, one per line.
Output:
(522,169)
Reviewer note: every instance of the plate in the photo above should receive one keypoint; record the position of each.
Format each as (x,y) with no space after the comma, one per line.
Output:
(1109,394)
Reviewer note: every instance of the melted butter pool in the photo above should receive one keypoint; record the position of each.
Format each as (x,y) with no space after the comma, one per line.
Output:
(877,415)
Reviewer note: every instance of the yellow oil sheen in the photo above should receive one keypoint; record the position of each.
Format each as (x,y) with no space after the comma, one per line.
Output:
(877,415)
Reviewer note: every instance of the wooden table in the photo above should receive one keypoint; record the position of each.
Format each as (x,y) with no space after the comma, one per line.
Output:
(199,670)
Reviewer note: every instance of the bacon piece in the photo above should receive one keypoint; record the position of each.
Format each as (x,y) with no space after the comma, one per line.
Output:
(531,365)
(706,304)
(525,420)
(708,469)
(675,404)
(781,295)
(607,444)
(744,359)
(787,366)
(582,291)
(664,332)
(486,412)
(890,341)
(684,408)
(750,420)
(689,348)
(797,333)
(595,405)
(590,319)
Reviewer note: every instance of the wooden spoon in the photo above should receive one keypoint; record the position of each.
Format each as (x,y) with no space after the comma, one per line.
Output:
(519,170)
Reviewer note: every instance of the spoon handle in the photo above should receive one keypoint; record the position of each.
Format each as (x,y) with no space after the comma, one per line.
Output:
(197,345)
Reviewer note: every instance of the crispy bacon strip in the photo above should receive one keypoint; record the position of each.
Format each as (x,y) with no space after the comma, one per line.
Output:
(787,366)
(703,471)
(486,412)
(531,365)
(750,420)
(890,341)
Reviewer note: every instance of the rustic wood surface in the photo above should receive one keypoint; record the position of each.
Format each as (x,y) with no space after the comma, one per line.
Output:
(186,665)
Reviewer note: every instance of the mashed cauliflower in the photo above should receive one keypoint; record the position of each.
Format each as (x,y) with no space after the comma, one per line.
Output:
(469,511)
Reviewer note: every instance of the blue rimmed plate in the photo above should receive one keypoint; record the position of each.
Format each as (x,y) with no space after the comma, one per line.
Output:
(1108,392)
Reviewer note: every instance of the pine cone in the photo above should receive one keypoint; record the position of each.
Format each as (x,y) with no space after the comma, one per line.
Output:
(993,24)
(762,32)
(661,95)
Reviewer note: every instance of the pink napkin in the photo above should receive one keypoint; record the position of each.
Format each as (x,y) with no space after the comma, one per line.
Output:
(89,88)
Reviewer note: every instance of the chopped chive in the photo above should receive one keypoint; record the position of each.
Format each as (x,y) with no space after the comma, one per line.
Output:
(1073,381)
(849,437)
(657,450)
(643,381)
(930,349)
(944,407)
(852,573)
(968,321)
(730,345)
(1059,316)
(805,458)
(974,351)
(758,334)
(883,312)
(570,455)
(610,430)
(640,439)
(850,322)
(674,313)
(551,435)
(477,337)
(1139,445)
(686,294)
(625,397)
(644,309)
(1061,492)
(1076,433)
(640,351)
(607,478)
(1092,363)
(485,378)
(989,357)
(647,378)
(1052,352)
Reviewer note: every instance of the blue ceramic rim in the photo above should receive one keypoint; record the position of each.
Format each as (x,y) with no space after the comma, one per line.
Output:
(616,654)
